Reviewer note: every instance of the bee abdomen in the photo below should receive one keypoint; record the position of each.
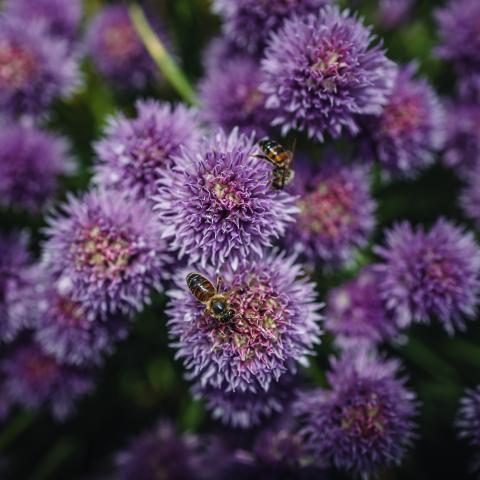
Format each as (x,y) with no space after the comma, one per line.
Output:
(201,288)
(274,151)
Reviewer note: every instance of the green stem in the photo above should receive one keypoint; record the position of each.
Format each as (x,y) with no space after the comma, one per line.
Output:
(19,424)
(428,360)
(160,55)
(55,457)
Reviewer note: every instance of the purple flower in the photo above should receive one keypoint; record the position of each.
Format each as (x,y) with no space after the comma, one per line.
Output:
(160,454)
(106,252)
(280,445)
(134,151)
(231,98)
(470,197)
(15,261)
(468,421)
(430,274)
(392,13)
(245,409)
(117,50)
(33,378)
(411,127)
(278,451)
(30,162)
(336,212)
(462,147)
(275,327)
(250,22)
(322,73)
(469,87)
(60,17)
(458,26)
(68,330)
(365,421)
(356,313)
(35,68)
(217,203)
(220,52)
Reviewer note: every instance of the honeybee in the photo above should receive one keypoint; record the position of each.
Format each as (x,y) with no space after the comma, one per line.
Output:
(281,159)
(216,304)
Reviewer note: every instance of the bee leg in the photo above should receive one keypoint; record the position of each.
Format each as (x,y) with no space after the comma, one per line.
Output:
(284,177)
(238,290)
(219,283)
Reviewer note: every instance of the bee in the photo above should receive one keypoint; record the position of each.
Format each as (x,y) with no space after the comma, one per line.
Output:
(281,159)
(216,304)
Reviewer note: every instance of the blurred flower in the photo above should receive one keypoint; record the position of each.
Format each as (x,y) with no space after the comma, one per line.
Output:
(217,203)
(160,454)
(68,330)
(365,422)
(34,67)
(458,27)
(277,451)
(33,378)
(220,52)
(411,127)
(392,13)
(280,445)
(60,17)
(336,212)
(30,162)
(249,23)
(468,421)
(430,274)
(106,252)
(231,98)
(322,73)
(274,330)
(469,87)
(462,148)
(135,150)
(470,197)
(245,409)
(15,261)
(117,50)
(356,313)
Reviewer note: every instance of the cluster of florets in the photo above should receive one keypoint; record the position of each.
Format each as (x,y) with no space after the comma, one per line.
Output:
(135,151)
(105,251)
(410,130)
(336,212)
(432,274)
(30,180)
(177,190)
(249,23)
(365,421)
(117,50)
(322,74)
(274,330)
(356,311)
(216,202)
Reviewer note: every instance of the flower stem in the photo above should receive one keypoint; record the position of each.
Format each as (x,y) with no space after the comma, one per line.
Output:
(159,54)
(19,424)
(60,452)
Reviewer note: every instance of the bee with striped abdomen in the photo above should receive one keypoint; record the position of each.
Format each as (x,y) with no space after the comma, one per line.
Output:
(216,304)
(280,158)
